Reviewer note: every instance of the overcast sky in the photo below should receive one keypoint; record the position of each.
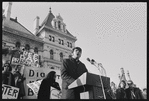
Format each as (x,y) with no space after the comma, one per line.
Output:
(112,33)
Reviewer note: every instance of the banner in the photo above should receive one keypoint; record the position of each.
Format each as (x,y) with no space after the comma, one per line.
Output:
(35,86)
(34,74)
(9,92)
(25,58)
(55,94)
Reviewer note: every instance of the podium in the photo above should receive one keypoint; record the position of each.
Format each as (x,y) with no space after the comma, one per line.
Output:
(90,84)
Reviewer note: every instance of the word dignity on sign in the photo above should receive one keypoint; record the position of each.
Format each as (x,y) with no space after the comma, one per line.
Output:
(55,94)
(9,92)
(34,76)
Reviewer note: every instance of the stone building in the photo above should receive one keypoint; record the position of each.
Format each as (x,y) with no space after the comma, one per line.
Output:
(53,40)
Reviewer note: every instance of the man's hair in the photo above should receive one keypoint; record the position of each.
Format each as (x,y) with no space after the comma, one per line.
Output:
(144,89)
(10,68)
(76,48)
(123,82)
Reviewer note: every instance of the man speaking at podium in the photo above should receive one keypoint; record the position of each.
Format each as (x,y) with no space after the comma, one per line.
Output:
(71,69)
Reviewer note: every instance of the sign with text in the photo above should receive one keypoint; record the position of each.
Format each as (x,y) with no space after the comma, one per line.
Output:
(9,92)
(36,74)
(35,86)
(25,58)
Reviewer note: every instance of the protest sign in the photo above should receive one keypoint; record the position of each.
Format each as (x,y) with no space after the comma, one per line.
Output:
(36,74)
(55,94)
(25,58)
(9,92)
(35,86)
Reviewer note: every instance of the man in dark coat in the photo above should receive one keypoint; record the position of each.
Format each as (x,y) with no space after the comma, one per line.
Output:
(71,69)
(7,76)
(19,81)
(133,92)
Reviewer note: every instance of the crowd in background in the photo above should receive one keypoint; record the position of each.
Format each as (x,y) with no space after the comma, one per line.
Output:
(126,90)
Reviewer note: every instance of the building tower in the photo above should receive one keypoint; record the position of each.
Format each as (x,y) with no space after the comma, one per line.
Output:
(58,41)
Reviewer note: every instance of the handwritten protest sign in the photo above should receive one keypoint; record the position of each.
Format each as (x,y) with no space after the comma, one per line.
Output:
(25,58)
(55,94)
(35,86)
(9,92)
(34,75)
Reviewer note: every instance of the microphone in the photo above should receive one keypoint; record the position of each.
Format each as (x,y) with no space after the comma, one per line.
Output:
(92,61)
(88,59)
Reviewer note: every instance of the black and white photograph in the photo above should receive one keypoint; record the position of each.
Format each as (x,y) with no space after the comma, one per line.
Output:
(74,50)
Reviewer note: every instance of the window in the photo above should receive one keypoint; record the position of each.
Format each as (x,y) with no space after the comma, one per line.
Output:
(69,44)
(51,38)
(51,54)
(55,24)
(52,67)
(59,25)
(61,56)
(61,41)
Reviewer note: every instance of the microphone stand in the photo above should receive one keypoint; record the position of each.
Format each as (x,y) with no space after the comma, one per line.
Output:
(99,64)
(100,81)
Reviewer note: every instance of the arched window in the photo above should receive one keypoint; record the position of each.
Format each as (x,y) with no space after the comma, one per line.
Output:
(36,50)
(61,56)
(51,54)
(27,47)
(52,67)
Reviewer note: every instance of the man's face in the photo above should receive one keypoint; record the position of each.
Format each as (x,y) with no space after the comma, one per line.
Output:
(76,54)
(6,68)
(122,85)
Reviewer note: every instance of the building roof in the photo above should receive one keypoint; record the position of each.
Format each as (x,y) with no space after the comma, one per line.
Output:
(47,21)
(14,26)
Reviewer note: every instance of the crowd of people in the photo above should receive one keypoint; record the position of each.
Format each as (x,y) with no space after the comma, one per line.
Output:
(13,78)
(71,69)
(127,90)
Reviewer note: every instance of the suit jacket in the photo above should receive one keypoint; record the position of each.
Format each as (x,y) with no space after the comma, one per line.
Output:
(70,71)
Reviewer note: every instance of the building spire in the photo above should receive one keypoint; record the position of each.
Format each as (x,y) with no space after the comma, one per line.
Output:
(50,9)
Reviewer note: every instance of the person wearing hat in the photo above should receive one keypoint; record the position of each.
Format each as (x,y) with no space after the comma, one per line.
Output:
(71,69)
(133,92)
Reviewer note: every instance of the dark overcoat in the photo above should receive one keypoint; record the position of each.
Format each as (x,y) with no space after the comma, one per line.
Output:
(70,71)
(45,87)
